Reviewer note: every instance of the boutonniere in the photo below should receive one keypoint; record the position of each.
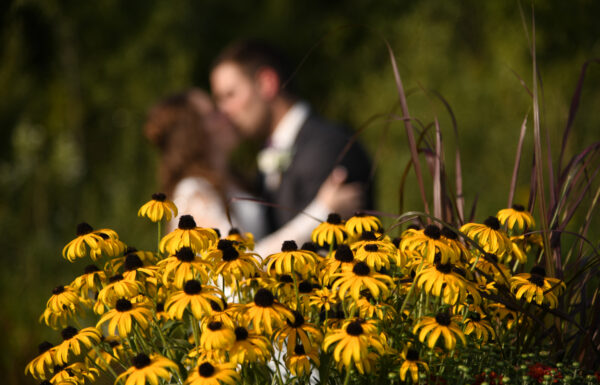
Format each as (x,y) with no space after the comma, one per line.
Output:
(271,160)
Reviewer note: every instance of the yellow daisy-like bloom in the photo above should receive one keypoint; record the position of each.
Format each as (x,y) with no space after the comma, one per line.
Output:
(362,222)
(291,260)
(503,314)
(352,345)
(242,241)
(194,297)
(366,309)
(440,280)
(299,362)
(307,333)
(451,238)
(232,264)
(112,246)
(428,243)
(376,255)
(73,342)
(122,316)
(86,240)
(215,335)
(482,329)
(489,235)
(111,352)
(331,232)
(342,261)
(92,280)
(224,313)
(537,287)
(323,299)
(134,269)
(441,325)
(516,218)
(63,298)
(360,278)
(183,266)
(116,264)
(265,312)
(249,347)
(188,235)
(41,366)
(75,374)
(490,265)
(411,363)
(158,208)
(148,370)
(117,288)
(207,373)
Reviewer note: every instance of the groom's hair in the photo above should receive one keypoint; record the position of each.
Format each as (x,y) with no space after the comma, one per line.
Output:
(254,54)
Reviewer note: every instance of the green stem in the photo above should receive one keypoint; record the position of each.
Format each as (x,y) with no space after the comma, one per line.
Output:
(347,378)
(99,354)
(159,236)
(195,330)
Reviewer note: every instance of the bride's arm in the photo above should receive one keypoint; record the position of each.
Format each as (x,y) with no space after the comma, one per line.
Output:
(333,196)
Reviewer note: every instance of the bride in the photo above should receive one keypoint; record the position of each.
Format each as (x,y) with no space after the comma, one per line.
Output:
(194,142)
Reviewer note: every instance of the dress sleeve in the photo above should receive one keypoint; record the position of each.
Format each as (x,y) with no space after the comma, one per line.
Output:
(298,229)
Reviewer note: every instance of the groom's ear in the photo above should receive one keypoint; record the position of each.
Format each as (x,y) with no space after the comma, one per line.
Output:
(268,83)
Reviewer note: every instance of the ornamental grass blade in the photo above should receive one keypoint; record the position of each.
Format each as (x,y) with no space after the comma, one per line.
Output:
(513,181)
(437,173)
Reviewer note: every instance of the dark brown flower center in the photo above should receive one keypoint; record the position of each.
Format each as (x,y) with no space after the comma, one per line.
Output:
(492,258)
(412,355)
(299,350)
(475,316)
(185,254)
(305,287)
(289,246)
(44,347)
(214,326)
(539,270)
(224,244)
(234,231)
(371,247)
(443,319)
(309,246)
(230,254)
(141,361)
(192,287)
(492,222)
(286,278)
(160,307)
(344,254)
(444,268)
(116,278)
(83,229)
(159,197)
(187,222)
(519,208)
(298,320)
(58,290)
(449,233)
(334,219)
(537,280)
(68,333)
(361,269)
(124,305)
(264,298)
(206,369)
(368,236)
(432,231)
(354,328)
(133,262)
(241,333)
(90,269)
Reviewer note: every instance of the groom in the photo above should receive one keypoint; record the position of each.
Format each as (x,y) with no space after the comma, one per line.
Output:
(301,148)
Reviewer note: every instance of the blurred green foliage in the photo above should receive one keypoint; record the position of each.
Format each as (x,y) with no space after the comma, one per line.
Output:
(78,76)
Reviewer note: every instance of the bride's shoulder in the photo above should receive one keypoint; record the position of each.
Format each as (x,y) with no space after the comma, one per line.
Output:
(192,186)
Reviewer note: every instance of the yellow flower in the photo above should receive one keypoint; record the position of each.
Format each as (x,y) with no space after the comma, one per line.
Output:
(411,363)
(291,260)
(92,280)
(376,254)
(207,373)
(41,366)
(537,287)
(188,235)
(148,370)
(441,325)
(123,315)
(249,347)
(428,243)
(474,324)
(183,266)
(194,297)
(441,281)
(215,335)
(489,265)
(489,235)
(323,299)
(74,374)
(232,264)
(359,278)
(343,260)
(158,208)
(64,298)
(112,246)
(307,333)
(117,288)
(367,309)
(331,232)
(74,340)
(265,312)
(243,242)
(361,223)
(299,362)
(86,240)
(516,218)
(353,343)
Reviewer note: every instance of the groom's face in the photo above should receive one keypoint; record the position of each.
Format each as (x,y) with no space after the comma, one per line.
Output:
(239,96)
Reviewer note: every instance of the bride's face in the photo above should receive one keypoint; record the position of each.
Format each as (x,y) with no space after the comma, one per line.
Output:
(222,134)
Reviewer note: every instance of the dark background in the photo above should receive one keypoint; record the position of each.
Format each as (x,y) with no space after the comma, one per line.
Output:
(77,77)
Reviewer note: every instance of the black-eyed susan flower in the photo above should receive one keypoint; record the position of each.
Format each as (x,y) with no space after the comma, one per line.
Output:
(41,366)
(299,361)
(223,312)
(299,329)
(537,287)
(343,260)
(441,280)
(249,347)
(74,341)
(74,374)
(323,299)
(92,280)
(361,222)
(428,243)
(157,208)
(195,297)
(188,235)
(63,298)
(216,335)
(86,240)
(489,236)
(443,324)
(183,266)
(330,232)
(146,369)
(134,269)
(265,312)
(411,363)
(242,241)
(352,344)
(361,277)
(118,287)
(112,246)
(122,316)
(112,351)
(232,264)
(366,308)
(516,218)
(207,373)
(377,255)
(451,238)
(291,260)
(489,265)
(479,327)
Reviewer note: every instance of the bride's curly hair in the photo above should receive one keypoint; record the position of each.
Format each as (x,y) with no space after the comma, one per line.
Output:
(177,128)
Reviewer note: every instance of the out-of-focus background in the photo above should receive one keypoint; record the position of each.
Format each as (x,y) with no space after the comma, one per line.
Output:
(77,77)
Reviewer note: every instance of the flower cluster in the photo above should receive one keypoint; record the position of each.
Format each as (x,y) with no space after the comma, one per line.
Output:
(205,309)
